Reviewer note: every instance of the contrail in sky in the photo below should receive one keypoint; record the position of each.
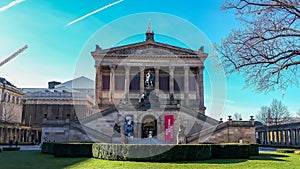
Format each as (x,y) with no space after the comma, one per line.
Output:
(89,14)
(11,4)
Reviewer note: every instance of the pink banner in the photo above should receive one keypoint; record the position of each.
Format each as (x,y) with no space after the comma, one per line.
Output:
(169,129)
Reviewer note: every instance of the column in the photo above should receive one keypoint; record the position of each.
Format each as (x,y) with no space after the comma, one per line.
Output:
(297,137)
(15,133)
(171,79)
(281,137)
(293,136)
(156,79)
(1,134)
(201,89)
(112,84)
(287,137)
(20,135)
(99,85)
(127,83)
(36,134)
(142,77)
(186,85)
(268,137)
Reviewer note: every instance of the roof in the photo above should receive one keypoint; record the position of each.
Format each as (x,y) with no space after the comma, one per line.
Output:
(140,47)
(78,83)
(4,81)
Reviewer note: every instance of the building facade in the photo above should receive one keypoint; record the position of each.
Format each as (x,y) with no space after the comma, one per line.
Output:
(287,134)
(55,105)
(11,126)
(151,88)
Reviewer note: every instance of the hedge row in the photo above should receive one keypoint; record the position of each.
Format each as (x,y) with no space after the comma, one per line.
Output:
(253,150)
(47,148)
(285,150)
(173,152)
(11,148)
(72,150)
(151,152)
(221,151)
(168,152)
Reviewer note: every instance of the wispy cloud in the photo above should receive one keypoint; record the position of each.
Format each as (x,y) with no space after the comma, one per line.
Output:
(11,4)
(230,101)
(96,11)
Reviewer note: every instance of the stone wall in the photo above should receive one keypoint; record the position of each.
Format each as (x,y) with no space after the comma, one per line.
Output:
(63,131)
(228,132)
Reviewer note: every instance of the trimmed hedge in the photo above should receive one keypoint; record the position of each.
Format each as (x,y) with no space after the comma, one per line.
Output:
(227,151)
(285,150)
(72,149)
(253,150)
(11,148)
(47,148)
(159,153)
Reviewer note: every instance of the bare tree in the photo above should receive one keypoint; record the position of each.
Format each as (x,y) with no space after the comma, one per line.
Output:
(266,49)
(278,113)
(8,115)
(237,116)
(262,114)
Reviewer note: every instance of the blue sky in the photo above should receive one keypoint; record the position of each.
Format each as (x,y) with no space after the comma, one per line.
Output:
(57,51)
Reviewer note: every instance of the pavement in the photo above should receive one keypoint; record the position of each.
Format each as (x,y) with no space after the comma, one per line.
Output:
(267,149)
(27,147)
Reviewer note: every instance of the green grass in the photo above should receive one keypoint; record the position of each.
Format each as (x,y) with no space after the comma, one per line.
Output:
(35,159)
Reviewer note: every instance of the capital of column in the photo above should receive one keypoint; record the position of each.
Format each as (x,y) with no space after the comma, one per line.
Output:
(142,68)
(171,68)
(127,68)
(156,67)
(186,68)
(113,67)
(201,68)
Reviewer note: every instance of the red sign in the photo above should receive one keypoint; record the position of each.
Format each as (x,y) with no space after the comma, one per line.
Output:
(169,129)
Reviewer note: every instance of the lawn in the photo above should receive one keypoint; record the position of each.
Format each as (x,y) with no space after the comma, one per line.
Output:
(36,160)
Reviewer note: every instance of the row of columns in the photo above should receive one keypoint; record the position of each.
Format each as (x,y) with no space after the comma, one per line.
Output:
(199,81)
(280,137)
(17,134)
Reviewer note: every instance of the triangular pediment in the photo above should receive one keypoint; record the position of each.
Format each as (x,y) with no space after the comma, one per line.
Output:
(147,48)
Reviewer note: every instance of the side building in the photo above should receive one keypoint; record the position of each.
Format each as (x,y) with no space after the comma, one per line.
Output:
(45,109)
(11,126)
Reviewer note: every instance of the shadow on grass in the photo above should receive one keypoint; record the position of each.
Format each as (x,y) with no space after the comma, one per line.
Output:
(262,156)
(35,159)
(269,156)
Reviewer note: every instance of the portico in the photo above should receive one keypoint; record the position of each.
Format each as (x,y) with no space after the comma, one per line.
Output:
(120,73)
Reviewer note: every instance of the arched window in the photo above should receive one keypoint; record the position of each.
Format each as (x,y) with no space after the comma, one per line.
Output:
(8,97)
(4,96)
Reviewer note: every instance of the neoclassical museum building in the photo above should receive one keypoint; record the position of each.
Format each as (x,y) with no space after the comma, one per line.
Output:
(153,90)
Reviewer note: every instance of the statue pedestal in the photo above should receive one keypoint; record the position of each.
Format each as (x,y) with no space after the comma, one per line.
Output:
(116,140)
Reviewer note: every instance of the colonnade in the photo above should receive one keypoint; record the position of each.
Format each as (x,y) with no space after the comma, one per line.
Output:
(18,133)
(198,74)
(286,134)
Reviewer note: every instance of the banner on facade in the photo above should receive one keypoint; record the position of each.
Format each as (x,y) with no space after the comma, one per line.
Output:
(169,129)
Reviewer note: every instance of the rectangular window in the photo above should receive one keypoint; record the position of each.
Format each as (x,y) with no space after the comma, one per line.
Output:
(134,83)
(119,82)
(105,82)
(164,83)
(192,83)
